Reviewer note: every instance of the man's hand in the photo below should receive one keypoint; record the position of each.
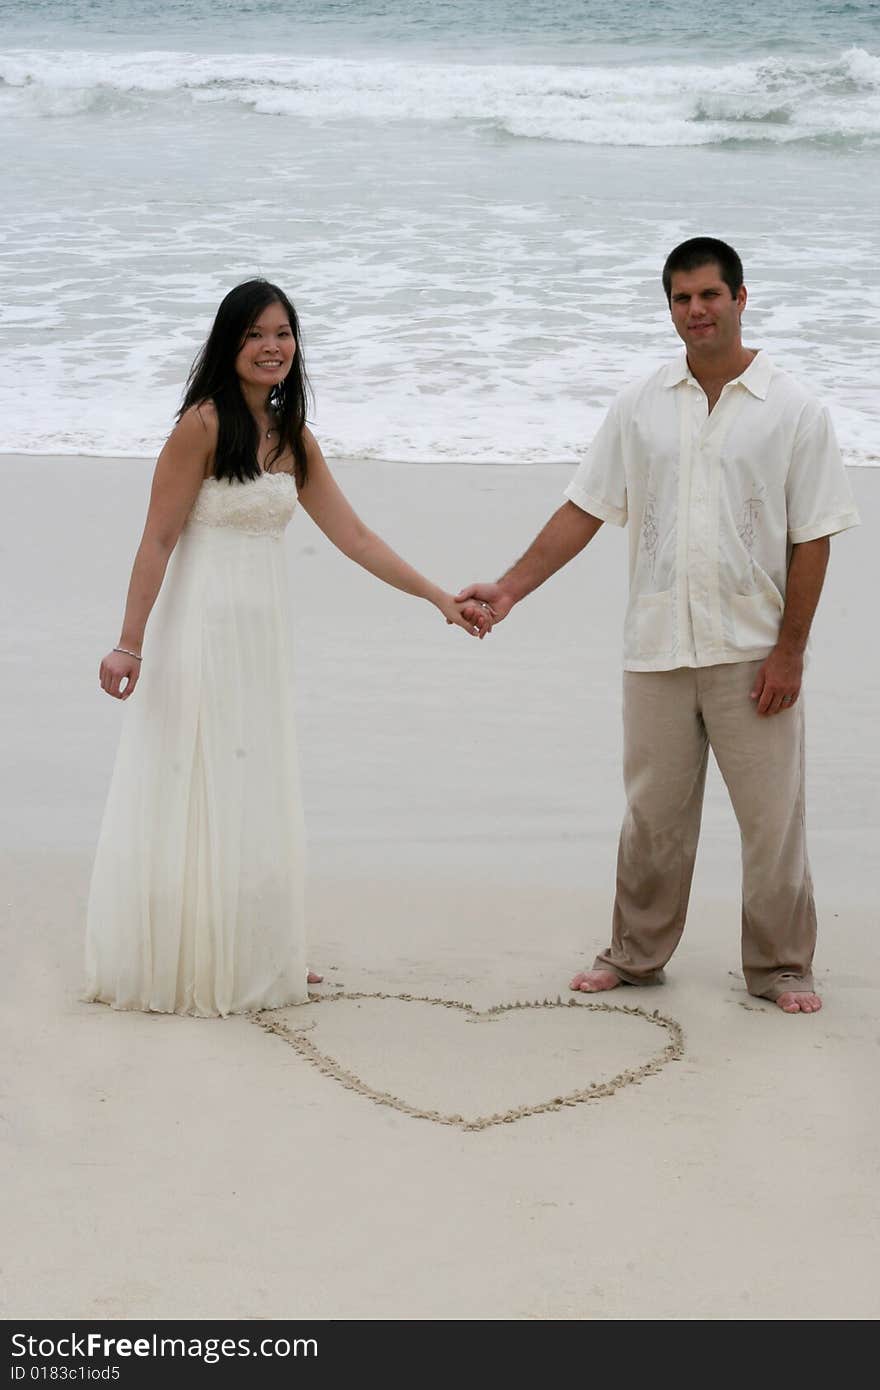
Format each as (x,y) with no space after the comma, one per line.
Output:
(477,622)
(483,598)
(778,682)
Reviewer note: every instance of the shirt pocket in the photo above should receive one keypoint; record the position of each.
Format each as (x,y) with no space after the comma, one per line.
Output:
(756,619)
(651,624)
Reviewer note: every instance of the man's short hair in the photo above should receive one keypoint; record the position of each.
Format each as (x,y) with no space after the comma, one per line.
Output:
(700,251)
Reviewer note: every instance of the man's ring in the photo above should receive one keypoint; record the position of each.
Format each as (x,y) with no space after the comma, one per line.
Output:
(786,699)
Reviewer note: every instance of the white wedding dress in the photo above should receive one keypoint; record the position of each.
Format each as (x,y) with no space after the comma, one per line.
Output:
(196,902)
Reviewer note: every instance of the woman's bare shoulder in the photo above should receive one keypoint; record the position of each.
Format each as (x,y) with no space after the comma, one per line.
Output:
(200,419)
(313,448)
(192,443)
(195,435)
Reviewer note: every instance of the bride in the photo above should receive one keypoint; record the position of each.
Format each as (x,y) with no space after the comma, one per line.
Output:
(196,901)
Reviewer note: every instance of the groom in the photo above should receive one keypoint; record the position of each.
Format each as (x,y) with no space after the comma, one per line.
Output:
(729,475)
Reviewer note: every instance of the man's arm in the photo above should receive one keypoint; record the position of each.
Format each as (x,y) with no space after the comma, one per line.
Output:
(778,683)
(565,535)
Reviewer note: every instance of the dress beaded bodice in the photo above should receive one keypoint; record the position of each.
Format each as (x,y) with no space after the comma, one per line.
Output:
(261,507)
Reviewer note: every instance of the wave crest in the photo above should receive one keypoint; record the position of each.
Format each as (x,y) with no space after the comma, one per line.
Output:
(777,99)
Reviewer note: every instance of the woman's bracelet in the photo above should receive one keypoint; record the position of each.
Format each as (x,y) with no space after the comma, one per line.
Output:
(125,652)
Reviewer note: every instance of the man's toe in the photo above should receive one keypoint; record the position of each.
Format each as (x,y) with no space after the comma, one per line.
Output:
(799,1003)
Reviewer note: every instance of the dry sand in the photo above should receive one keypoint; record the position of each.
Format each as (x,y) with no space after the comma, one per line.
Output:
(463,803)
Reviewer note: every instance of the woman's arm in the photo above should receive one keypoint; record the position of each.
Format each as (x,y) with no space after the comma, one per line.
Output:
(180,471)
(331,511)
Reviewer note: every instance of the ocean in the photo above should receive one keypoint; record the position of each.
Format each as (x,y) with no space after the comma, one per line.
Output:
(469,204)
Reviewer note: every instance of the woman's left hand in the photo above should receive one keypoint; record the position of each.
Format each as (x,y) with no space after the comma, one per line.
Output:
(119,673)
(453,612)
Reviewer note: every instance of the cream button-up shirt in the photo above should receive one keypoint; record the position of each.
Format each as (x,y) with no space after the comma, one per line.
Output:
(714,503)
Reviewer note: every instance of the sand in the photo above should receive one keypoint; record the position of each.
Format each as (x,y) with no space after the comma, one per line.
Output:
(463,802)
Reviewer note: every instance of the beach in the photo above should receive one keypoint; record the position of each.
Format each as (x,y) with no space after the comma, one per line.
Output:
(470,207)
(463,802)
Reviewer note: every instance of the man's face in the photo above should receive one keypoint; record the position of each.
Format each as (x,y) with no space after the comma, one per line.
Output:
(705,313)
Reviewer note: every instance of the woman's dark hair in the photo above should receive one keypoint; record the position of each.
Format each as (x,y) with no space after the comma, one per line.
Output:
(700,251)
(213,378)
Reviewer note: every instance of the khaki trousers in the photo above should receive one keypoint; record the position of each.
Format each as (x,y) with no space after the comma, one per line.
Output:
(671,719)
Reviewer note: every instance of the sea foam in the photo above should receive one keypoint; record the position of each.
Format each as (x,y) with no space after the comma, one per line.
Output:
(771,99)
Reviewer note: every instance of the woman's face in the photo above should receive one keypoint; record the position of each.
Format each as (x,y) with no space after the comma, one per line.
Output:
(266,355)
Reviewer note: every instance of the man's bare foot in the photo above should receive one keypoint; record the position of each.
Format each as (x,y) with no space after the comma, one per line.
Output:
(791,1003)
(592,981)
(313,979)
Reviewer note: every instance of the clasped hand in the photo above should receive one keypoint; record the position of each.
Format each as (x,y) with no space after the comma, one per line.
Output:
(478,608)
(482,606)
(475,618)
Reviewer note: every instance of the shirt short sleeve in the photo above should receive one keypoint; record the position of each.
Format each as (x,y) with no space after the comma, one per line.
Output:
(819,500)
(599,485)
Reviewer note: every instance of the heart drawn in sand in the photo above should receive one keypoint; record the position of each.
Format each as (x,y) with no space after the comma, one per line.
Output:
(530,1057)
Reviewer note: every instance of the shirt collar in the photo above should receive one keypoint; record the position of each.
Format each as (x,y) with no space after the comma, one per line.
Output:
(755,378)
